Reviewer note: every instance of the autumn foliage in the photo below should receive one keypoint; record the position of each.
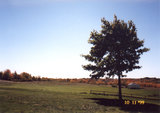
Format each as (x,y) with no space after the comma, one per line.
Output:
(24,76)
(143,82)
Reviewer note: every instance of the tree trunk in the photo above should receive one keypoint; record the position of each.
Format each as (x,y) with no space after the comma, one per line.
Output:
(119,86)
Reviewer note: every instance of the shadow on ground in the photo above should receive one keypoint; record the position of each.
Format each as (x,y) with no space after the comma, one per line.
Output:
(146,107)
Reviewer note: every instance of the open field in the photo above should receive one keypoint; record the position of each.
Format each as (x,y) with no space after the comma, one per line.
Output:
(64,97)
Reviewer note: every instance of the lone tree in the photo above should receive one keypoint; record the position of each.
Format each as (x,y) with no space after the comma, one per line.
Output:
(116,49)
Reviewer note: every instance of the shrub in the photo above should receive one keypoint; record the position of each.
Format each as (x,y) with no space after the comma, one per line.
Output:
(7,75)
(1,75)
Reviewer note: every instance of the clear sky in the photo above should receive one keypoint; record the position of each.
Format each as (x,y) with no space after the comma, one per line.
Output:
(47,37)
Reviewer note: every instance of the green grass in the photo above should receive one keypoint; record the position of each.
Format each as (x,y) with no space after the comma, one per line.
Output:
(60,97)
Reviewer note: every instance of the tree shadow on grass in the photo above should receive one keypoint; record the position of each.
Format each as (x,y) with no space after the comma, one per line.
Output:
(146,107)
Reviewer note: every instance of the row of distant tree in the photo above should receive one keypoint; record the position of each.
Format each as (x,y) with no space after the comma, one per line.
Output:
(24,76)
(143,82)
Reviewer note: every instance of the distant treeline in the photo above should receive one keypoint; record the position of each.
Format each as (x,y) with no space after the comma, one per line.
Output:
(143,82)
(24,76)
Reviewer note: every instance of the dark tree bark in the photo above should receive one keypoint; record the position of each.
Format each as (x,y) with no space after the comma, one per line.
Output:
(119,86)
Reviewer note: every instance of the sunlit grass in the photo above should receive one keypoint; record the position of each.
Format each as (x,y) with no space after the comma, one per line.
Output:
(59,97)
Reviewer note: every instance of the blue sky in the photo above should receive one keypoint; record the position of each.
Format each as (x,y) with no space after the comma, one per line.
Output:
(47,37)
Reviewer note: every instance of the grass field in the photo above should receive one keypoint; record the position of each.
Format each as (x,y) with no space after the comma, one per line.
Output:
(63,97)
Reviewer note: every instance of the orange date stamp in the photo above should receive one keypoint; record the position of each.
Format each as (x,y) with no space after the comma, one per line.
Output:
(134,102)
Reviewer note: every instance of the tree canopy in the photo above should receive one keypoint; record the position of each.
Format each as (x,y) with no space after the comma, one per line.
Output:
(116,49)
